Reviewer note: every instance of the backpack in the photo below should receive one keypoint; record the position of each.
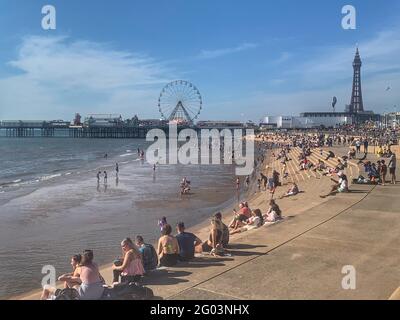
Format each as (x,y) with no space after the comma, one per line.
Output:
(128,291)
(138,292)
(150,257)
(67,294)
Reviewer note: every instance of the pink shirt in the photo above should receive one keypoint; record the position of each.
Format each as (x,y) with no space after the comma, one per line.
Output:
(90,274)
(135,268)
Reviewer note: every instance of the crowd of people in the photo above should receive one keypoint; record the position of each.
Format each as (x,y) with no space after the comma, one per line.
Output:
(362,141)
(376,173)
(139,259)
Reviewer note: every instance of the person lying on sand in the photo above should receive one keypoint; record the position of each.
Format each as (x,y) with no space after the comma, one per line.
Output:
(294,190)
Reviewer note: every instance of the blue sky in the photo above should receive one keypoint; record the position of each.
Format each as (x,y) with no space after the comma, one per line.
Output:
(248,58)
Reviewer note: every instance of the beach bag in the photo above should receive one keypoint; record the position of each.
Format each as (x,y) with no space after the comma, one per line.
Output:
(218,251)
(67,294)
(131,291)
(138,292)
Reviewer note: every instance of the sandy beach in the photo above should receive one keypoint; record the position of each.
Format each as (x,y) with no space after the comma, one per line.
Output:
(167,284)
(195,210)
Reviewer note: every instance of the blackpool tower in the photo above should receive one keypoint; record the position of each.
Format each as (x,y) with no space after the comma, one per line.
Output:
(356,104)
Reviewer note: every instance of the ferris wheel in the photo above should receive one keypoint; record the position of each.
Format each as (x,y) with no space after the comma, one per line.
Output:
(180,102)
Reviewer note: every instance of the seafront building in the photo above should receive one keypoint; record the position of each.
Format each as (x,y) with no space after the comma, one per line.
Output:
(391,119)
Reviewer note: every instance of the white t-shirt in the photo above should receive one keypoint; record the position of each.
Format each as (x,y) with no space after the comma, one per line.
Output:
(254,221)
(343,184)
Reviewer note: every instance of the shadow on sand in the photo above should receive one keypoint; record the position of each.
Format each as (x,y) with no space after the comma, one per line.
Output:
(242,246)
(236,253)
(165,277)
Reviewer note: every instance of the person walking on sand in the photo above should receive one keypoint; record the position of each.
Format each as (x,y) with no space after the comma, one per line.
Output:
(358,146)
(383,172)
(392,167)
(98,177)
(105,177)
(366,143)
(117,169)
(259,185)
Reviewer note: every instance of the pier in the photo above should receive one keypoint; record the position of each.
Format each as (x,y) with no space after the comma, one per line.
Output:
(62,129)
(76,132)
